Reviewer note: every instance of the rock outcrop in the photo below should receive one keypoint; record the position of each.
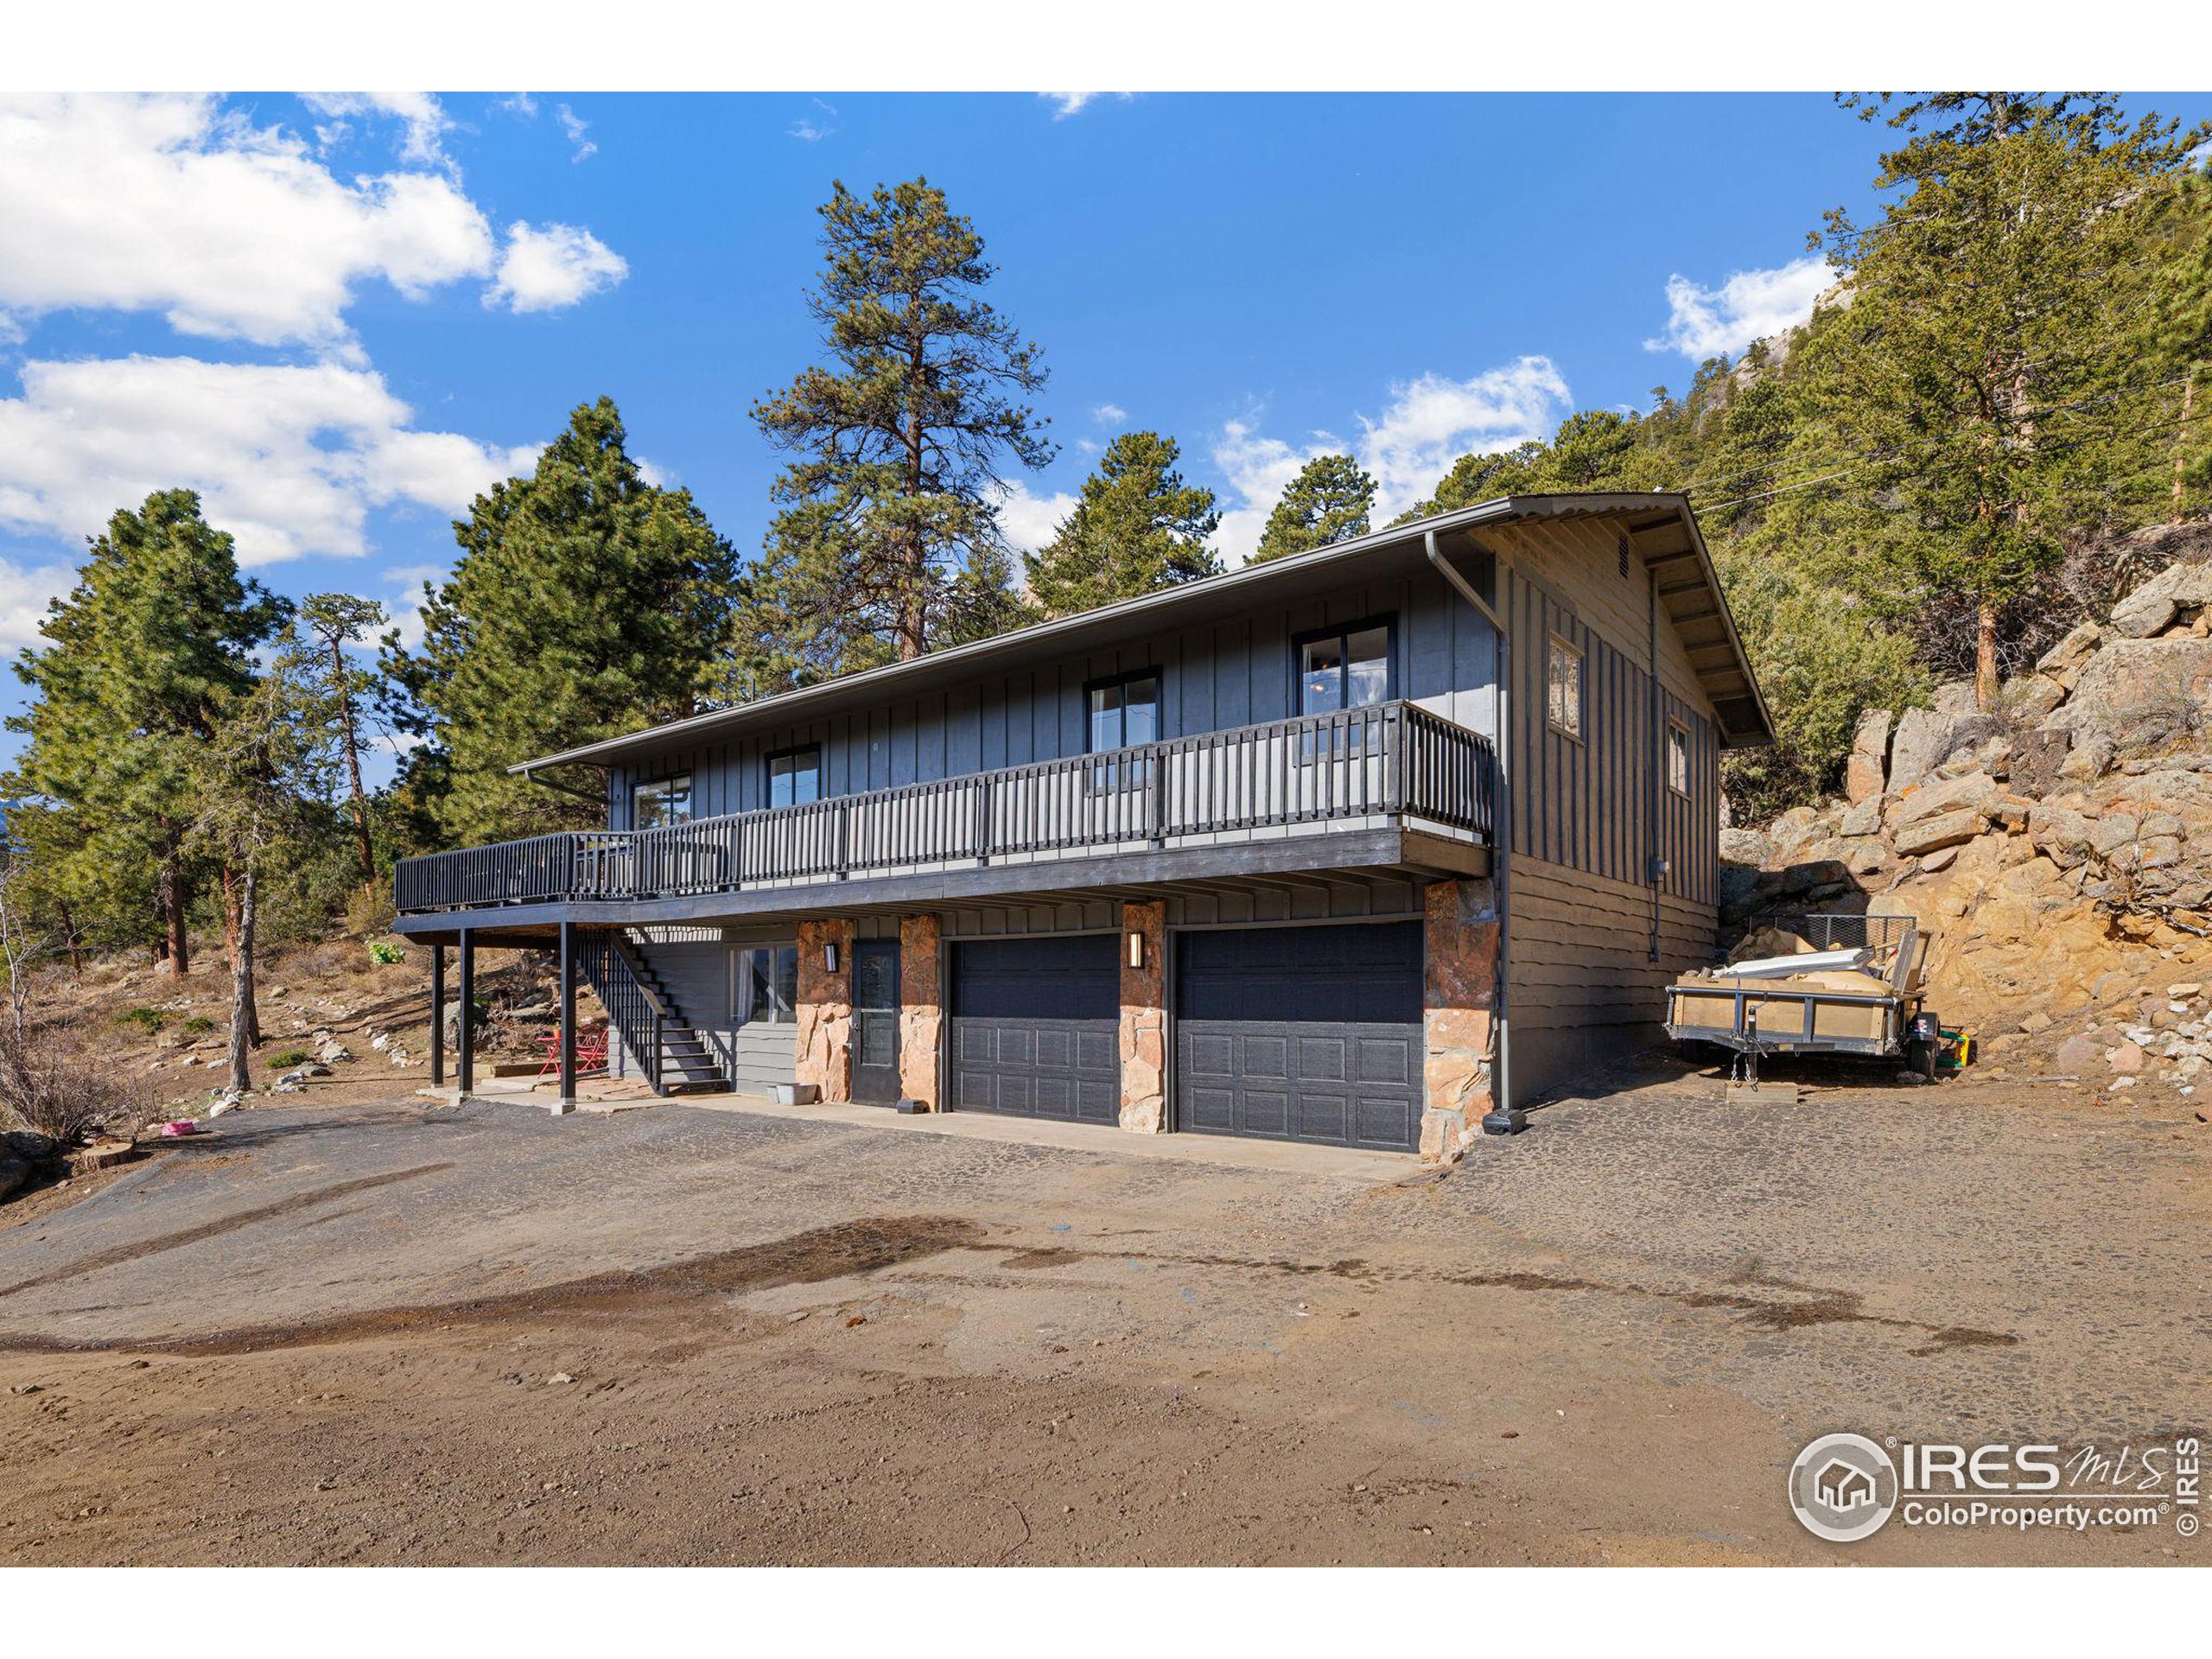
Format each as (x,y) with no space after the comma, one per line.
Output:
(2058,849)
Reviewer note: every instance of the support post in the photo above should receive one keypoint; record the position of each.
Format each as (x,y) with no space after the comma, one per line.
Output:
(568,1100)
(437,1016)
(464,1027)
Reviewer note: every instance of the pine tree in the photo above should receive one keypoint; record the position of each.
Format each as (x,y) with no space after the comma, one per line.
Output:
(270,760)
(142,655)
(333,622)
(1136,528)
(586,602)
(889,543)
(1988,302)
(1331,500)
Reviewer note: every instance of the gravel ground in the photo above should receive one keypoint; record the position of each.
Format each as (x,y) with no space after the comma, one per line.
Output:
(379,1330)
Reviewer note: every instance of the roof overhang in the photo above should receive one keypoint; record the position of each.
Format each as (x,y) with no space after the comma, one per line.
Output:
(1661,529)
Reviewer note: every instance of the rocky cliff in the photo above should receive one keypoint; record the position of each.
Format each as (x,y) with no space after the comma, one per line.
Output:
(2059,846)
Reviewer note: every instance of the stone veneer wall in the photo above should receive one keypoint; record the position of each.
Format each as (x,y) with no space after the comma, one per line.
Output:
(1460,924)
(921,1012)
(825,1009)
(1144,1019)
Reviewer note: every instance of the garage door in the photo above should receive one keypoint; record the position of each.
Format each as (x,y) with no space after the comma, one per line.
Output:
(1035,1027)
(1301,1034)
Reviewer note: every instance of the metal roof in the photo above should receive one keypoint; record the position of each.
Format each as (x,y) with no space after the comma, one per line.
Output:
(1696,608)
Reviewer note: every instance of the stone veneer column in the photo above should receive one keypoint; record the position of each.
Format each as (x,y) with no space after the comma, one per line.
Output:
(1460,924)
(921,1013)
(1144,1019)
(825,1009)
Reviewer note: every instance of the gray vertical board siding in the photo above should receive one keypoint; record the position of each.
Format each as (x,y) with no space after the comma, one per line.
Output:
(1588,806)
(1214,676)
(700,977)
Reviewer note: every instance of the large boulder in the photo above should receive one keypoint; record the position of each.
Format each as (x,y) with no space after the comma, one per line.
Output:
(1926,737)
(1866,773)
(2152,609)
(2137,692)
(1945,830)
(2062,663)
(1975,791)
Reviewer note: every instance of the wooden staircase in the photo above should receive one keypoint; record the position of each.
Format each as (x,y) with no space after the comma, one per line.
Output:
(675,1058)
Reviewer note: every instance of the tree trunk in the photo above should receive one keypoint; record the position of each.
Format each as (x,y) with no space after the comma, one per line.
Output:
(1985,658)
(69,938)
(234,945)
(349,734)
(2181,438)
(174,902)
(244,1017)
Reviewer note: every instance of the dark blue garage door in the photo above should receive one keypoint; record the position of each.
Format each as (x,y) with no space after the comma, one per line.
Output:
(1301,1034)
(1036,1027)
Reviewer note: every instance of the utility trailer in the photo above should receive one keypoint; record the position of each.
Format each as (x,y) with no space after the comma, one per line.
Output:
(1855,992)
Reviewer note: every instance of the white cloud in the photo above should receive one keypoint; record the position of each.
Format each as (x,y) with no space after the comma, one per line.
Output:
(574,126)
(1431,422)
(547,267)
(422,117)
(1110,414)
(24,591)
(1428,424)
(806,131)
(521,105)
(289,460)
(1258,468)
(1067,104)
(1028,521)
(166,203)
(406,607)
(1749,305)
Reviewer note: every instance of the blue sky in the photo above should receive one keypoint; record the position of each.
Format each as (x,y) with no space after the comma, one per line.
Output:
(340,319)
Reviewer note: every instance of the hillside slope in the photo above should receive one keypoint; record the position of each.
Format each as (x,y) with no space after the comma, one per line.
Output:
(2060,848)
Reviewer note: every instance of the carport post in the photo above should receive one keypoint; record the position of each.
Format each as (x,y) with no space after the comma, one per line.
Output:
(568,1101)
(465,1023)
(437,1016)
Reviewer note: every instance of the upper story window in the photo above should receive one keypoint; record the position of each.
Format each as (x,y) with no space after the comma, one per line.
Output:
(1678,757)
(661,801)
(1563,689)
(1122,711)
(795,776)
(1343,668)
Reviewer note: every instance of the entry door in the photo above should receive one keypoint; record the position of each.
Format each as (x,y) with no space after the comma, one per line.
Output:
(875,1020)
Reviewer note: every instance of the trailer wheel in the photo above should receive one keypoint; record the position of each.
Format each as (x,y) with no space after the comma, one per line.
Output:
(1920,1056)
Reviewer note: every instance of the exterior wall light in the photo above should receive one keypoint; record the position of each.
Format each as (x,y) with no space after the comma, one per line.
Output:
(829,957)
(1136,950)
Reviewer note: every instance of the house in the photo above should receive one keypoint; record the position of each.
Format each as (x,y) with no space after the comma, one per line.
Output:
(1358,847)
(1844,1487)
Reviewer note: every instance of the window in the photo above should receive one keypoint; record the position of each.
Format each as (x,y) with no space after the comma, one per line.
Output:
(1563,689)
(768,985)
(1678,758)
(795,776)
(1119,712)
(661,801)
(1345,668)
(1124,711)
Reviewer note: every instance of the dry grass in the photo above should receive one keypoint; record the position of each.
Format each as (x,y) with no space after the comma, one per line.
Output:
(48,1086)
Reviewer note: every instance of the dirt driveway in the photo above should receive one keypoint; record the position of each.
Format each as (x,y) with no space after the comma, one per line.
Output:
(392,1331)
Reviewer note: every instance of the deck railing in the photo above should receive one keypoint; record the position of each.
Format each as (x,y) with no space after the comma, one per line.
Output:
(1393,759)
